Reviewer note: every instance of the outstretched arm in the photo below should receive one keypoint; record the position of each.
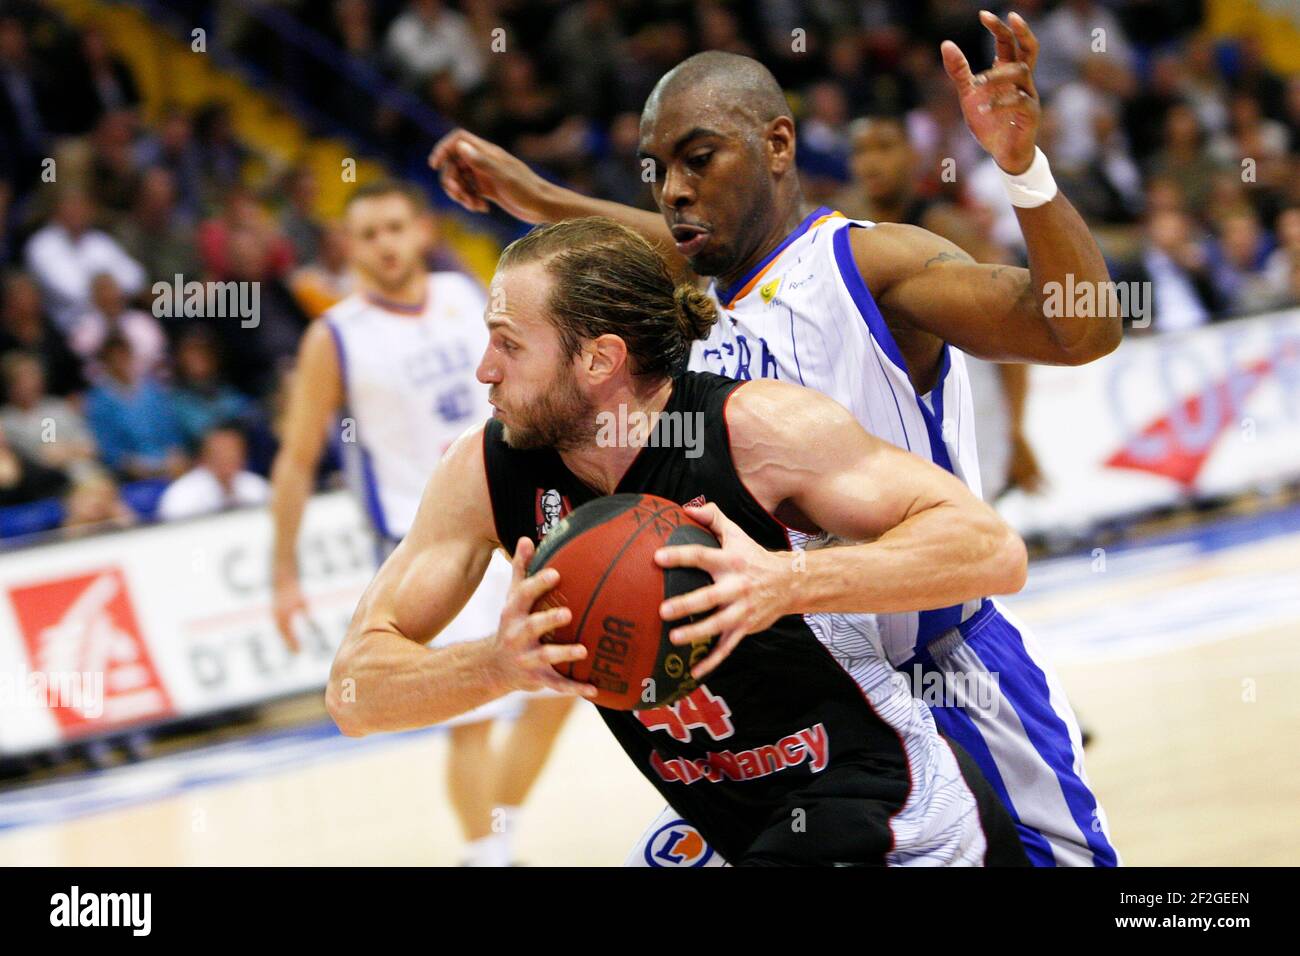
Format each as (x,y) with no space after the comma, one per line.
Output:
(999,312)
(476,173)
(929,542)
(383,678)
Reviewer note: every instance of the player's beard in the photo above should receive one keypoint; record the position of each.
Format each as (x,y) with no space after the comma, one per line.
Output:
(560,417)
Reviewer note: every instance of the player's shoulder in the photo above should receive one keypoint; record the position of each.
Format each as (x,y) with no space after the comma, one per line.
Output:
(781,410)
(898,245)
(450,283)
(348,309)
(890,251)
(464,463)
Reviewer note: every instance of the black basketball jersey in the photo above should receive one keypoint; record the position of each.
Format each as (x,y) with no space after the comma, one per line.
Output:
(779,730)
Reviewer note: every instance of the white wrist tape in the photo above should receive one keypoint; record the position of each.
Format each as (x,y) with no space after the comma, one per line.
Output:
(1034,187)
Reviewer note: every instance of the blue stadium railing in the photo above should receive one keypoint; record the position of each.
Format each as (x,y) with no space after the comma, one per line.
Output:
(37,517)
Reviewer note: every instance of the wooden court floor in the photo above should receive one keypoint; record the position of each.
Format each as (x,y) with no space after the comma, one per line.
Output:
(1181,658)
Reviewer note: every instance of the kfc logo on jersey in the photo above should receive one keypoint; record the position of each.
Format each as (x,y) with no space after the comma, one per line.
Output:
(87,625)
(550,507)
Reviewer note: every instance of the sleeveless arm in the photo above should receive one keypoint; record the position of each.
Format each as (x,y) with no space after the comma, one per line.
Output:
(315,399)
(929,541)
(997,312)
(383,678)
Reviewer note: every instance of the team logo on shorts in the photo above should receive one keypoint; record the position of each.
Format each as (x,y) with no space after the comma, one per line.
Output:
(677,844)
(551,506)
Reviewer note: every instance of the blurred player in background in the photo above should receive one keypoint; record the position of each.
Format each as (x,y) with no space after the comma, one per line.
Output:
(397,359)
(878,316)
(884,165)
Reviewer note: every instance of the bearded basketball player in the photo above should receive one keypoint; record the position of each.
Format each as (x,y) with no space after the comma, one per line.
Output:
(586,321)
(397,360)
(877,316)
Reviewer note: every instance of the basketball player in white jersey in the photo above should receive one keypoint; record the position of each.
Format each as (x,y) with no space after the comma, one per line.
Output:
(878,317)
(396,359)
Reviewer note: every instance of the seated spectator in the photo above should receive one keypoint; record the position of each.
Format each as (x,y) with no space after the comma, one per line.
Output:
(220,154)
(1108,188)
(132,418)
(617,174)
(353,30)
(29,109)
(719,28)
(1238,259)
(1204,86)
(1177,265)
(427,37)
(110,316)
(114,171)
(172,148)
(824,140)
(531,120)
(1255,77)
(583,48)
(1283,266)
(48,430)
(200,396)
(100,83)
(65,256)
(156,233)
(94,504)
(1144,113)
(1163,195)
(1099,88)
(1066,38)
(1184,157)
(220,480)
(885,188)
(1253,137)
(23,480)
(23,325)
(328,279)
(298,221)
(1292,111)
(242,214)
(252,353)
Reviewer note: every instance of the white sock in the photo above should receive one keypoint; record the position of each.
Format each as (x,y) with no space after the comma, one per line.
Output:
(505,823)
(491,850)
(497,848)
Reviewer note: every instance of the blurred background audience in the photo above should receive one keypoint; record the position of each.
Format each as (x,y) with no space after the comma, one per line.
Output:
(1180,146)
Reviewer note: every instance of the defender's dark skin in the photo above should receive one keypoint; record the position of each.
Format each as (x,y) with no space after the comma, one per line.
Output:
(721,144)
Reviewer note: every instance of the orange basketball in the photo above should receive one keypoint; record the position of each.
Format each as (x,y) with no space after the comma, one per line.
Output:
(604,552)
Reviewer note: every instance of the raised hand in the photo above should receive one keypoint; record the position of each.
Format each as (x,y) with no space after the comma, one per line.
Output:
(475,173)
(1000,105)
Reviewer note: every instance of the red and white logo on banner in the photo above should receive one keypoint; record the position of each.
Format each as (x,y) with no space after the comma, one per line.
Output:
(86,625)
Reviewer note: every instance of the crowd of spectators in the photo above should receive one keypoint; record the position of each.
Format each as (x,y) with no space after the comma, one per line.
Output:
(1180,149)
(111,406)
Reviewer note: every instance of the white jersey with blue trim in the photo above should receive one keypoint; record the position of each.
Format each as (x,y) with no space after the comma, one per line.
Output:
(805,315)
(408,375)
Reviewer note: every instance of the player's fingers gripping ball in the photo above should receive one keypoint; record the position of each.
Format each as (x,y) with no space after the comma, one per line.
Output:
(610,582)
